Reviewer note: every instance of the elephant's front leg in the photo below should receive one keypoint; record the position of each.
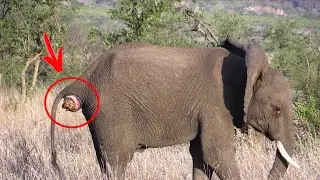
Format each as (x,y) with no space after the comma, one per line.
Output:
(222,161)
(201,171)
(216,141)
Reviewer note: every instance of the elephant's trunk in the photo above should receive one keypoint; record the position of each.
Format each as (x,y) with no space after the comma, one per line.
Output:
(285,149)
(53,115)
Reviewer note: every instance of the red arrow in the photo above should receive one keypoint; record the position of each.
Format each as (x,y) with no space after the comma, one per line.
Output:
(51,58)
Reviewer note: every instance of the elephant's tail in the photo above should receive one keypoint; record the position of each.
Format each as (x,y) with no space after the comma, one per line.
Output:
(53,115)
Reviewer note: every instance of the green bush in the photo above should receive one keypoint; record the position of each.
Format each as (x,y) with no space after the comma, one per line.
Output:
(308,111)
(297,56)
(22,26)
(229,24)
(154,22)
(10,71)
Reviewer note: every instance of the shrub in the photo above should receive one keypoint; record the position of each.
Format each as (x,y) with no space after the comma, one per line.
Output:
(145,21)
(308,111)
(297,56)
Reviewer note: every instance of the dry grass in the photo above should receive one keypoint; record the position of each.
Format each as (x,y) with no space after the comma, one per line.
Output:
(25,150)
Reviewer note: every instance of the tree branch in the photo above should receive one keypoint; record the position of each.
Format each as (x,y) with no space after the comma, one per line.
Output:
(23,77)
(0,81)
(35,74)
(198,25)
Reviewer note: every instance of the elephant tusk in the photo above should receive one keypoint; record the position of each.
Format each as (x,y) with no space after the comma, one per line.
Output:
(286,156)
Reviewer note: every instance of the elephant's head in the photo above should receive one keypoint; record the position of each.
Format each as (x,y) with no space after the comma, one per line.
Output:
(267,103)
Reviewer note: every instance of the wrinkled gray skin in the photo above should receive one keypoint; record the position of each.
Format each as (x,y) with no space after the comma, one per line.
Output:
(157,96)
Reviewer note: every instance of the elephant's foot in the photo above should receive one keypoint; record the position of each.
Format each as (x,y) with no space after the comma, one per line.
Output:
(244,128)
(198,174)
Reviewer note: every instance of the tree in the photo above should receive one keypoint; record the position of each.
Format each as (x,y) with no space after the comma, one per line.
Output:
(157,22)
(22,23)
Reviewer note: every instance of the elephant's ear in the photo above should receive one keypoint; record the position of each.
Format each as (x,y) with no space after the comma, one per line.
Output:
(256,62)
(257,66)
(235,47)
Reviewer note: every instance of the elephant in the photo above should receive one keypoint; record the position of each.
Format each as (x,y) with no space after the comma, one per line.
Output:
(266,99)
(155,96)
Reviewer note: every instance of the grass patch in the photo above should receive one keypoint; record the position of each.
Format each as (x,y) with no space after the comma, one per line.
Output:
(92,11)
(301,22)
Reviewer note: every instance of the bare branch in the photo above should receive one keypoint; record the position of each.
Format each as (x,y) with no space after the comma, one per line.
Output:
(0,80)
(22,17)
(23,77)
(35,74)
(57,22)
(206,32)
(197,24)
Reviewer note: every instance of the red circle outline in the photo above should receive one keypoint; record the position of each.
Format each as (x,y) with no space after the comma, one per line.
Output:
(83,81)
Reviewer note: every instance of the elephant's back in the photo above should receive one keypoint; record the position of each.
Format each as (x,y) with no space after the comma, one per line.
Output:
(158,62)
(160,70)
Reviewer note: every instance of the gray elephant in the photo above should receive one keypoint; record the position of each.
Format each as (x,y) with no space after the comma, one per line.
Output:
(159,96)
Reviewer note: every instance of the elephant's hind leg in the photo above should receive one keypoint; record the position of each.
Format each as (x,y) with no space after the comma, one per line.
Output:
(100,152)
(118,162)
(113,162)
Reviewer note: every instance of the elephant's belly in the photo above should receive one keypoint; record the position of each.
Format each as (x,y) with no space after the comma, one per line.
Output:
(166,134)
(163,142)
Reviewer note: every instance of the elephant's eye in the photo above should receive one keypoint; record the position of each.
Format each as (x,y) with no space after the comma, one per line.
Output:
(276,109)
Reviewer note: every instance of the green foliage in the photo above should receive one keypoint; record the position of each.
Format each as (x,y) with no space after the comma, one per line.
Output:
(11,70)
(149,21)
(140,15)
(297,56)
(22,26)
(309,111)
(89,11)
(282,34)
(229,24)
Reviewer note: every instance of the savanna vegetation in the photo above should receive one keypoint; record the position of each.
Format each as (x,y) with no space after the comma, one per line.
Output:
(85,28)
